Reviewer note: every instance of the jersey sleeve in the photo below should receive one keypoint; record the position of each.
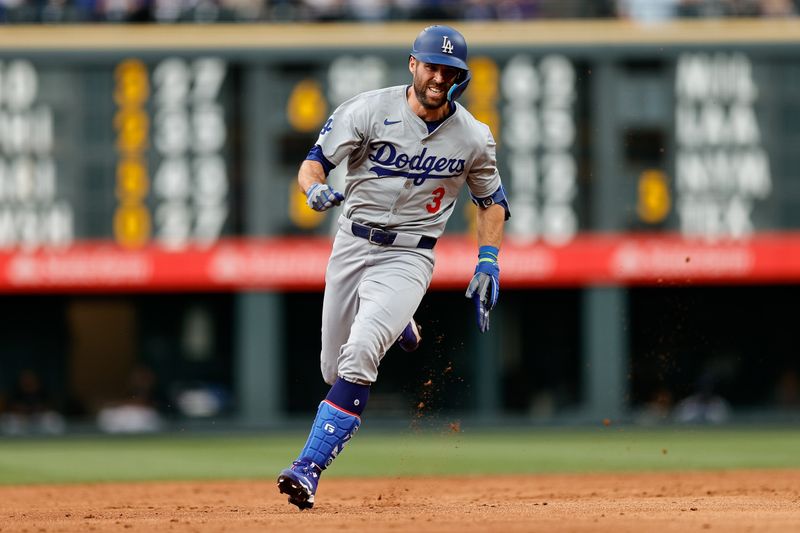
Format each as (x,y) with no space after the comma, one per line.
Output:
(483,178)
(343,132)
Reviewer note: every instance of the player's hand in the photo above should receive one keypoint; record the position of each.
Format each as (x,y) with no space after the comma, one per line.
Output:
(485,285)
(321,197)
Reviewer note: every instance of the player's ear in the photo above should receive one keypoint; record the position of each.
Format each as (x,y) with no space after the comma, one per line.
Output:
(412,64)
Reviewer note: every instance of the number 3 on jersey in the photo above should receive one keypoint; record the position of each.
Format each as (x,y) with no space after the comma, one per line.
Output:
(436,201)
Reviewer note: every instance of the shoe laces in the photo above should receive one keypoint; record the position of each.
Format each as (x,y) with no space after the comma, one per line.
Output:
(307,468)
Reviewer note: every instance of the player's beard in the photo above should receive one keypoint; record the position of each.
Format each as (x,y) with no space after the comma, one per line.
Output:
(421,91)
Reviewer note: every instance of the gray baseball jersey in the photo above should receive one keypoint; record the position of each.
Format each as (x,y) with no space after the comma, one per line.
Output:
(400,178)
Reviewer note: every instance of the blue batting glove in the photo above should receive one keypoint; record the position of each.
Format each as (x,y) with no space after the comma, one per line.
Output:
(321,197)
(485,285)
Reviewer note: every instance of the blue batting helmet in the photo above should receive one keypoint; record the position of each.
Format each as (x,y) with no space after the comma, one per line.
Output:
(442,45)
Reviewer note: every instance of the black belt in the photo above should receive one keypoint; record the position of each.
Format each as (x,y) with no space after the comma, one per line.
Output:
(384,237)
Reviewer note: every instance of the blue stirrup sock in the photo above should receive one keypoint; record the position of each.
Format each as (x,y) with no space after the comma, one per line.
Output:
(338,418)
(349,396)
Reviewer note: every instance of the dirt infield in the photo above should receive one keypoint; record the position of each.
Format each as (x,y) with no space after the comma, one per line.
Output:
(758,501)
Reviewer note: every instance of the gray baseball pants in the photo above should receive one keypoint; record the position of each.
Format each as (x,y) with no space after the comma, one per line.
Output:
(371,293)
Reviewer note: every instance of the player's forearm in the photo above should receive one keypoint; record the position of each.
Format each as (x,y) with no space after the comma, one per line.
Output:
(310,172)
(490,225)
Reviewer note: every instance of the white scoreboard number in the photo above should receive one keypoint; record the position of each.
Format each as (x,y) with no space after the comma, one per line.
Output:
(190,184)
(32,215)
(539,134)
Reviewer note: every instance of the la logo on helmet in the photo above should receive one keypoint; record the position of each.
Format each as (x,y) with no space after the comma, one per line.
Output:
(447,46)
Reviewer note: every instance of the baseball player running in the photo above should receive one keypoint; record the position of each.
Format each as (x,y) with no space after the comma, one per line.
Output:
(409,149)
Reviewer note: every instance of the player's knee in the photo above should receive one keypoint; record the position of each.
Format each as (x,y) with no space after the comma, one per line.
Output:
(358,362)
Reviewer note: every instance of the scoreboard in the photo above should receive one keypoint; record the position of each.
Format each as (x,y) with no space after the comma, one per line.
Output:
(189,198)
(164,158)
(115,150)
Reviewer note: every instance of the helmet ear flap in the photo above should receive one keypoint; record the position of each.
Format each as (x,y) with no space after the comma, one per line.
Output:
(459,86)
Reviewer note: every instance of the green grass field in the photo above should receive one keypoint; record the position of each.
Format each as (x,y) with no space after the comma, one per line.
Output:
(612,449)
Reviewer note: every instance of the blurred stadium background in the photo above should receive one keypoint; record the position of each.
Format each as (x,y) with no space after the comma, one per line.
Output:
(159,269)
